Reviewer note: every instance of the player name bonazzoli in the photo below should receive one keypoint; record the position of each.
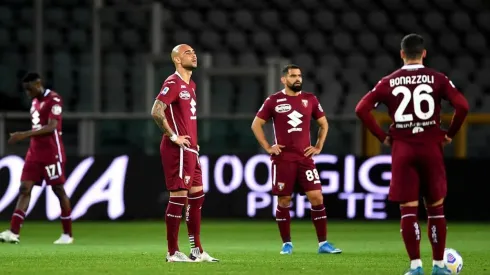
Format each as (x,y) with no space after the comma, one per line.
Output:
(412,79)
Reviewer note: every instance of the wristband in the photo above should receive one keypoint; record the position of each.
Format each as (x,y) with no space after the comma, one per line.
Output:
(173,137)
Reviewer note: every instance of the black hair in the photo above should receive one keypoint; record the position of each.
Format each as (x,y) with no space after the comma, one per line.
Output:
(286,68)
(30,77)
(413,45)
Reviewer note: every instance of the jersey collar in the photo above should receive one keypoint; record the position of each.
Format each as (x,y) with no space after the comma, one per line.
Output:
(284,91)
(46,92)
(177,73)
(413,66)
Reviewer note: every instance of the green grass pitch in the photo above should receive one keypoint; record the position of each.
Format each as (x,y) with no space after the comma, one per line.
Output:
(244,247)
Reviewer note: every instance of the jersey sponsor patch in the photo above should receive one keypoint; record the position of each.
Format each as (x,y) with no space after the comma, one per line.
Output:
(56,109)
(165,90)
(185,95)
(283,108)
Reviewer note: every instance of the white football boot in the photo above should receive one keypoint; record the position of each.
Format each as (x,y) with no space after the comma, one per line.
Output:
(64,239)
(197,256)
(178,257)
(8,237)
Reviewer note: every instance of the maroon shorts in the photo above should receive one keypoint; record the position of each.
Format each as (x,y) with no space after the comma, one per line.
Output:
(52,173)
(417,170)
(181,168)
(294,176)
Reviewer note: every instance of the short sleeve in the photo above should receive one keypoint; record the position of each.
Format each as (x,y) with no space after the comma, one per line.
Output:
(265,112)
(168,93)
(56,108)
(317,111)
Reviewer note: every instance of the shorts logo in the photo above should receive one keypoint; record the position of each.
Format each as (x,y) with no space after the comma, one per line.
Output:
(283,108)
(185,95)
(280,185)
(187,179)
(165,90)
(305,102)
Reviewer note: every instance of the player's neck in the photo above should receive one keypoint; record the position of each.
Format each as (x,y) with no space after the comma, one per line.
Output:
(413,62)
(291,93)
(184,74)
(41,94)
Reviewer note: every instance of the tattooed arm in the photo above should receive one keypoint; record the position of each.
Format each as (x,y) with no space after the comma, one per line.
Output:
(158,114)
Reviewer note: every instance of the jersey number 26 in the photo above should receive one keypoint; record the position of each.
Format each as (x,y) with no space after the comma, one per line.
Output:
(420,94)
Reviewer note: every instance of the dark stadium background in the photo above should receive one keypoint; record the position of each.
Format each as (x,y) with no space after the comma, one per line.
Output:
(109,58)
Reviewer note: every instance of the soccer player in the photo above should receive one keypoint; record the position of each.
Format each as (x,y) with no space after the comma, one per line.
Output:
(413,95)
(45,159)
(174,111)
(291,111)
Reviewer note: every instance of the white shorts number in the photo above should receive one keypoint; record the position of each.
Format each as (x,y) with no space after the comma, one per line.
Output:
(312,175)
(53,170)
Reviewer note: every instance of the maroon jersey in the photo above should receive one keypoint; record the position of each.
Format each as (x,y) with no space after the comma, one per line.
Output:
(181,102)
(413,95)
(291,117)
(49,147)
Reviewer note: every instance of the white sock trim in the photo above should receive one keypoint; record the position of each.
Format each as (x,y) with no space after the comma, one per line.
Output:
(415,263)
(438,263)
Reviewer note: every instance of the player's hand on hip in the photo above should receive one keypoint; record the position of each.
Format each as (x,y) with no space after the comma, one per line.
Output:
(312,151)
(447,140)
(15,137)
(275,149)
(387,141)
(183,141)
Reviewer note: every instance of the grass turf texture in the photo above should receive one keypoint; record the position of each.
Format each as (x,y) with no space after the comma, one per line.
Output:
(244,247)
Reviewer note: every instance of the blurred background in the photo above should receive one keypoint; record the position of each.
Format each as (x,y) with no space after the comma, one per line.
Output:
(109,58)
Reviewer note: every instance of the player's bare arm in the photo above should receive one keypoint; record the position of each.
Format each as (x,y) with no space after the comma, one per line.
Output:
(322,135)
(258,130)
(158,114)
(46,129)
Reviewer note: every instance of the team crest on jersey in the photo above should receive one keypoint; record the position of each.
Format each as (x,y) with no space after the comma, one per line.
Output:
(280,185)
(305,102)
(185,95)
(187,179)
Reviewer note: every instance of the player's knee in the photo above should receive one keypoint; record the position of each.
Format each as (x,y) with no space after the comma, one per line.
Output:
(434,204)
(25,188)
(178,193)
(315,197)
(410,204)
(58,190)
(195,189)
(284,201)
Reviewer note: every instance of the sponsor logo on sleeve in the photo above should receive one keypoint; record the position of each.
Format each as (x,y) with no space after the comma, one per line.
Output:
(56,109)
